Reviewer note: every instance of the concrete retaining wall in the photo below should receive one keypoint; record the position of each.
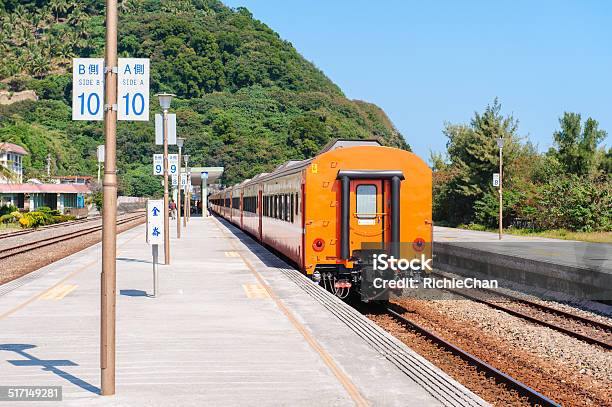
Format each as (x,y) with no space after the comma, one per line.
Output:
(580,282)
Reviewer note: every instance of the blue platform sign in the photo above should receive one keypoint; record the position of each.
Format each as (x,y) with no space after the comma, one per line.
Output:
(155,221)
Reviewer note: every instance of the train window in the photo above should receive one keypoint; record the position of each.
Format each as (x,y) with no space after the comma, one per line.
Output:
(282,207)
(366,201)
(286,207)
(292,206)
(296,204)
(284,213)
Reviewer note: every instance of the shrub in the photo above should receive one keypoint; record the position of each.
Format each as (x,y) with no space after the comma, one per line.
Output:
(8,218)
(33,219)
(575,203)
(63,218)
(6,209)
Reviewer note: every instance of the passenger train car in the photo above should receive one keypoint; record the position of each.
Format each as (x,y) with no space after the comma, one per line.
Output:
(320,212)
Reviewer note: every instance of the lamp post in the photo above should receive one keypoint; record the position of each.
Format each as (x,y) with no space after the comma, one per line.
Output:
(500,144)
(179,142)
(187,199)
(164,101)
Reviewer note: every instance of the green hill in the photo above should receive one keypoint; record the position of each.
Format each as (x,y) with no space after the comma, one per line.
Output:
(247,100)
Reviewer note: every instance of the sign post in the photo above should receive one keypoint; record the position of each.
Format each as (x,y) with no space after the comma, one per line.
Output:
(500,144)
(155,234)
(96,82)
(165,99)
(109,209)
(496,179)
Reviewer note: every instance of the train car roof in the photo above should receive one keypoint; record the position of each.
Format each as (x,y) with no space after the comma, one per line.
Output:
(292,165)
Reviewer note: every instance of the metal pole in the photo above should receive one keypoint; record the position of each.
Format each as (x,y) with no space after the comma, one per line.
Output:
(186,191)
(155,276)
(166,211)
(98,172)
(109,211)
(500,195)
(178,197)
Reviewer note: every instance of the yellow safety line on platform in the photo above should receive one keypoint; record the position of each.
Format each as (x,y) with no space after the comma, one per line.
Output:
(346,382)
(255,291)
(54,286)
(231,254)
(59,292)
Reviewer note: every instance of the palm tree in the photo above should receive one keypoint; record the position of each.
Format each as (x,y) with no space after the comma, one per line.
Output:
(59,6)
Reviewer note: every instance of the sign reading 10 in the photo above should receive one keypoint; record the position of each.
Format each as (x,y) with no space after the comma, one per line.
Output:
(136,102)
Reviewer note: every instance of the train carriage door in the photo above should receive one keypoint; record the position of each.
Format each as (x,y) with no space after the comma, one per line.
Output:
(241,208)
(367,215)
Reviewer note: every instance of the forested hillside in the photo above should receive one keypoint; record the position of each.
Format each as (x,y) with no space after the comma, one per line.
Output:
(247,100)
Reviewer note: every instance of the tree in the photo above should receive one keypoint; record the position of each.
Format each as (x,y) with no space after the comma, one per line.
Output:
(576,146)
(58,6)
(473,158)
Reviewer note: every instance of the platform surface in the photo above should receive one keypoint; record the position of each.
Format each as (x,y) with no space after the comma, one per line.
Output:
(594,256)
(215,335)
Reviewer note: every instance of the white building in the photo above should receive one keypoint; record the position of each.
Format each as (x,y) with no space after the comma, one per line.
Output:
(11,157)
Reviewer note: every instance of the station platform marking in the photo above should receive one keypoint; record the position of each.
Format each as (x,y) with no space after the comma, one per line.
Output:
(58,292)
(232,254)
(255,291)
(200,342)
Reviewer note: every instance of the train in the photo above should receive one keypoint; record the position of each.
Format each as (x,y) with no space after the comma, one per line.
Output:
(321,213)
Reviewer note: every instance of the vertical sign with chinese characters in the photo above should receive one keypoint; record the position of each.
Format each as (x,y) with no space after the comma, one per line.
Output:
(183,180)
(496,179)
(175,180)
(173,164)
(133,89)
(158,164)
(87,88)
(155,221)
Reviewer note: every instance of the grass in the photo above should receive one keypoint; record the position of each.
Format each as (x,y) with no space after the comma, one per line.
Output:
(564,234)
(7,227)
(594,237)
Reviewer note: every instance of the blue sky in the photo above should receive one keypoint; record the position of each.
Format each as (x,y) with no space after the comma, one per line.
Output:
(429,62)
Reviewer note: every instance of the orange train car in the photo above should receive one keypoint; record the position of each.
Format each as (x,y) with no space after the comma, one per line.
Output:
(320,212)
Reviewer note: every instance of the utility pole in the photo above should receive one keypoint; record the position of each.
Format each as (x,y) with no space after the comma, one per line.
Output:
(164,101)
(48,165)
(109,211)
(500,144)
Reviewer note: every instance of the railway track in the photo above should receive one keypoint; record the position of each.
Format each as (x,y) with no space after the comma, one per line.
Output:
(47,227)
(522,389)
(29,246)
(576,326)
(54,226)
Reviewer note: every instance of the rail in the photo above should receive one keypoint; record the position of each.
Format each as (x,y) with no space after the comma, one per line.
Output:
(522,389)
(28,246)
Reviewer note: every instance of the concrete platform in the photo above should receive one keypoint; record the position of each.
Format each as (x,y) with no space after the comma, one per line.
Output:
(233,325)
(578,269)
